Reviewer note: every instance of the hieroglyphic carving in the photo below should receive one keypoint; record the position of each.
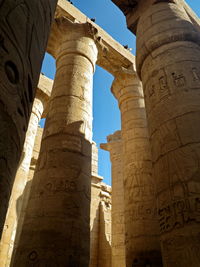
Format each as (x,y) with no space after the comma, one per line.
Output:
(179,79)
(22,47)
(196,74)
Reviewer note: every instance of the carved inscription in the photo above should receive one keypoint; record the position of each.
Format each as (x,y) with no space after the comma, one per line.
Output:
(179,213)
(179,80)
(61,186)
(196,74)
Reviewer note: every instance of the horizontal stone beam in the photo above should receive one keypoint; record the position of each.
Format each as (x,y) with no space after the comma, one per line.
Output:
(112,56)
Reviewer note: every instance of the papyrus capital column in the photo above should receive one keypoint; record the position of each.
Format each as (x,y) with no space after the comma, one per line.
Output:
(114,146)
(43,92)
(168,53)
(141,233)
(56,228)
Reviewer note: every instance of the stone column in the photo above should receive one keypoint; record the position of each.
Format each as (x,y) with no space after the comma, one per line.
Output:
(104,259)
(42,96)
(114,146)
(24,28)
(56,230)
(96,181)
(168,63)
(142,241)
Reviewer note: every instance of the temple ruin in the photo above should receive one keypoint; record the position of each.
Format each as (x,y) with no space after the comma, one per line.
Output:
(55,209)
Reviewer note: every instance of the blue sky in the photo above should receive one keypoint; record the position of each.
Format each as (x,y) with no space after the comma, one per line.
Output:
(105,108)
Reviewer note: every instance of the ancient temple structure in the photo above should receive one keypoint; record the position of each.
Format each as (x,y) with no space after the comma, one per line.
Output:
(55,209)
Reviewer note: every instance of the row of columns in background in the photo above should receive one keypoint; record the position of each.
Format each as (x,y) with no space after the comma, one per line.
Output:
(58,211)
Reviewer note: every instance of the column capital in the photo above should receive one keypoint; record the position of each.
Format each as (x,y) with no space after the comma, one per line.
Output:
(113,145)
(111,139)
(43,91)
(127,85)
(64,30)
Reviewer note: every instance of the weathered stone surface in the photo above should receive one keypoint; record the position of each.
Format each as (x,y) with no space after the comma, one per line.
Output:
(141,227)
(24,28)
(168,52)
(104,259)
(95,220)
(96,181)
(100,218)
(171,79)
(42,96)
(114,146)
(56,228)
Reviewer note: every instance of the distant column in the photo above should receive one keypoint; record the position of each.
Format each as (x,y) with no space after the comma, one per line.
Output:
(42,96)
(56,230)
(104,259)
(114,146)
(24,29)
(141,227)
(96,181)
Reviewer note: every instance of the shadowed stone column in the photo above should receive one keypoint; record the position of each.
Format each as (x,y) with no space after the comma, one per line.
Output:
(56,230)
(23,199)
(42,96)
(114,146)
(24,29)
(142,241)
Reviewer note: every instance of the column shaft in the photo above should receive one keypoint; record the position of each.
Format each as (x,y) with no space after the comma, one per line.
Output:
(56,228)
(114,146)
(168,60)
(104,259)
(142,242)
(22,47)
(96,181)
(14,209)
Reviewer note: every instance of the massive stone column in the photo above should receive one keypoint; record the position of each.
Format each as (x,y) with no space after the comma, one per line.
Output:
(56,230)
(42,96)
(141,228)
(114,146)
(168,62)
(24,28)
(169,66)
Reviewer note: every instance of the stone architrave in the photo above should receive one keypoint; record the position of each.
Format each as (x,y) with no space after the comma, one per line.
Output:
(141,227)
(56,229)
(114,146)
(6,244)
(24,29)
